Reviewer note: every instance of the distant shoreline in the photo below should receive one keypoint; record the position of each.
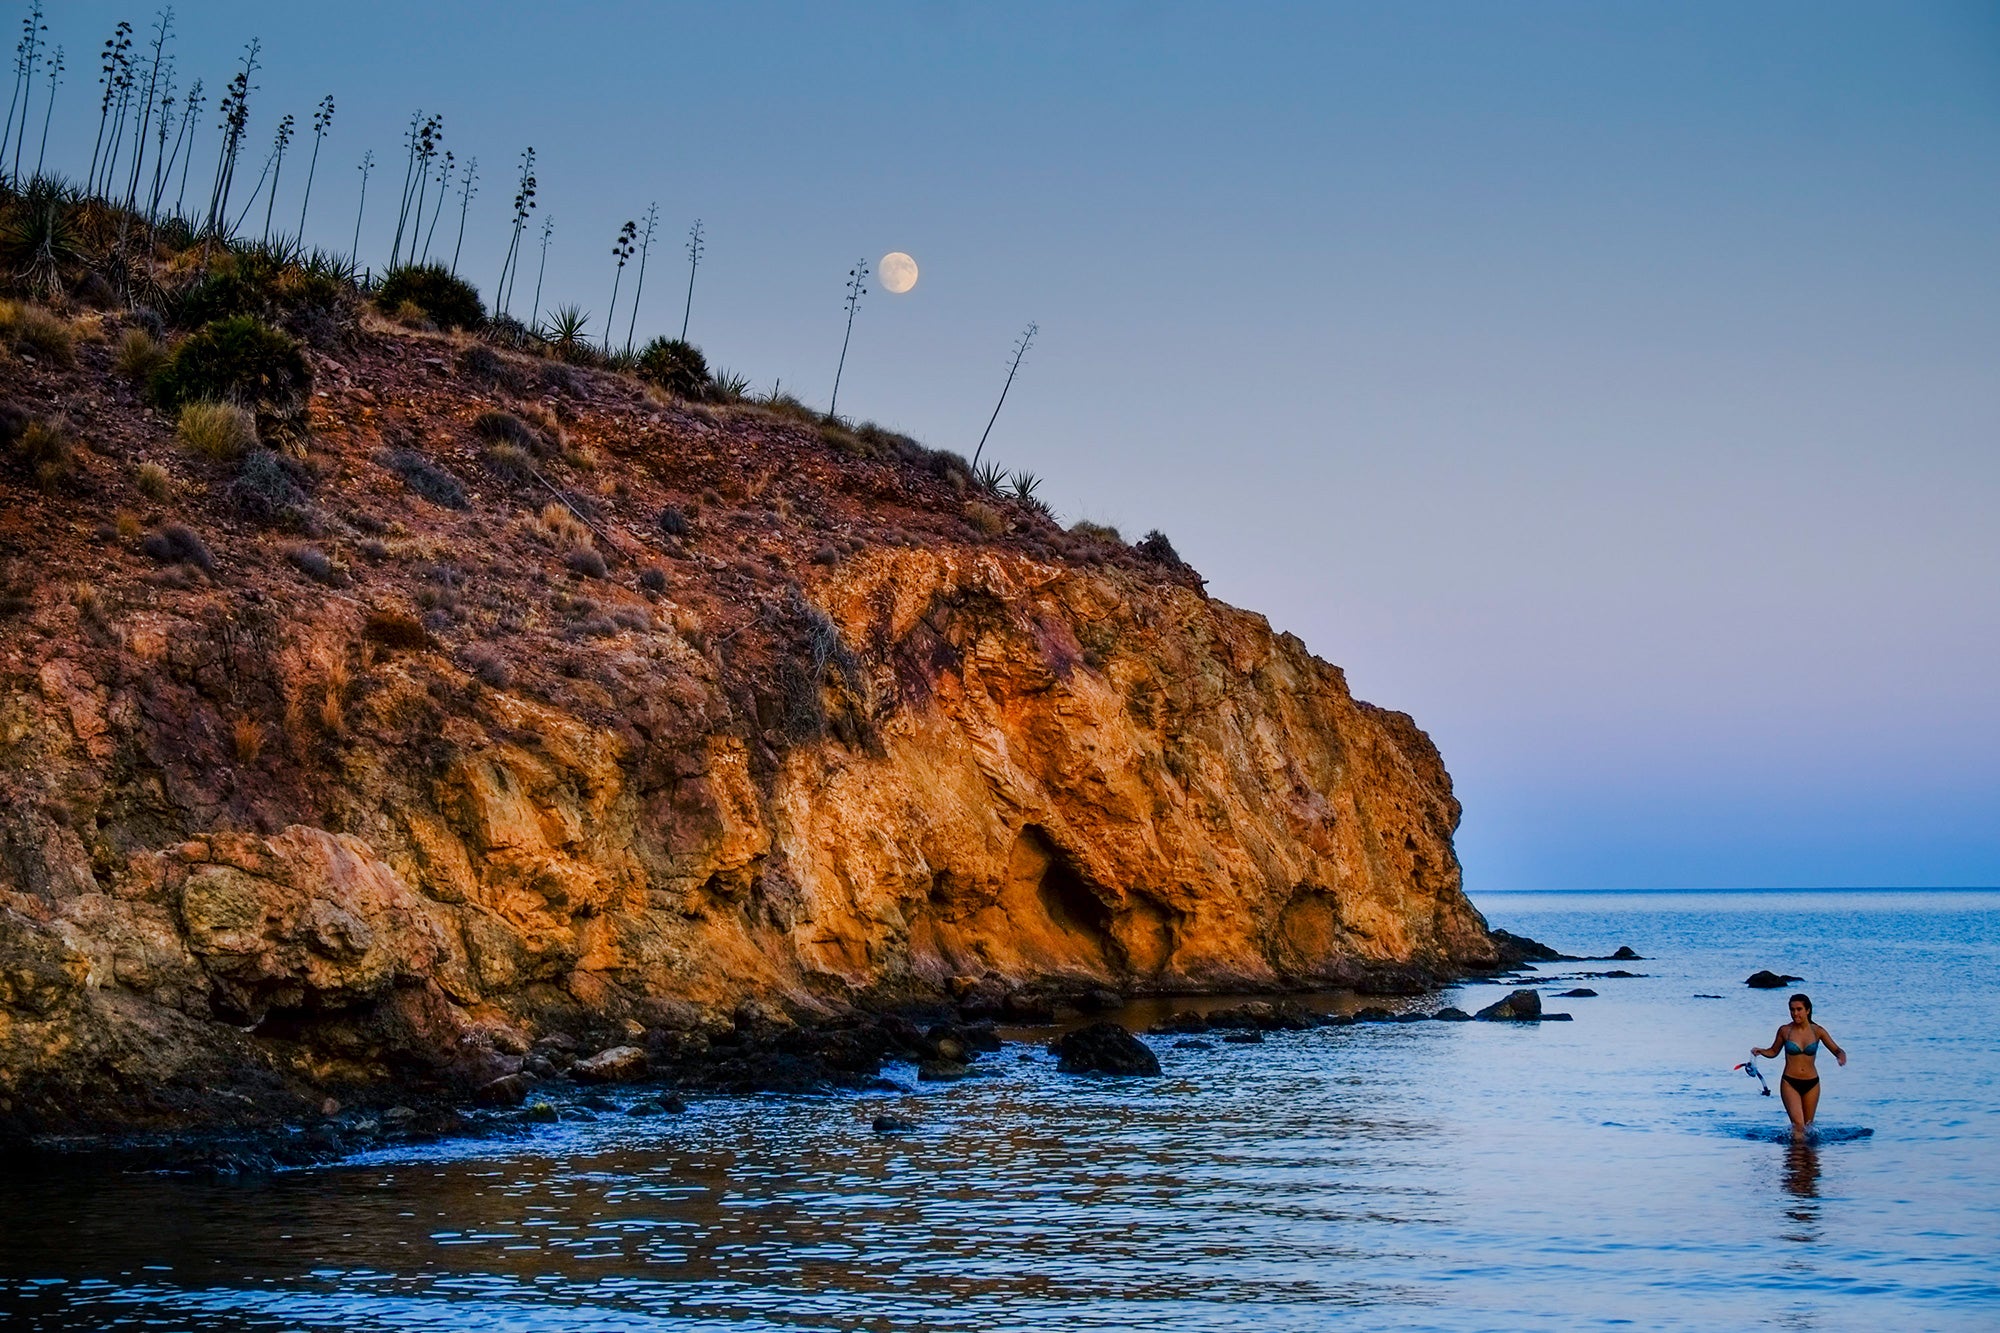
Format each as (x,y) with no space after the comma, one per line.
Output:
(1580,893)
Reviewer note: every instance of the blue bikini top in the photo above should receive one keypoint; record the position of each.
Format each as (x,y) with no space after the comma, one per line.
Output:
(1810,1048)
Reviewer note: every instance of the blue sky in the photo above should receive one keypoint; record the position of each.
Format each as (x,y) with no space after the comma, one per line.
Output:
(1611,386)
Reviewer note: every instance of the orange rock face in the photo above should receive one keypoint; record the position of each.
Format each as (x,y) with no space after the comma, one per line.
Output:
(247,845)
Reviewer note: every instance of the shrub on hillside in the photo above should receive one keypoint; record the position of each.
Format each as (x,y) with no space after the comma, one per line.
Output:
(140,356)
(216,431)
(270,488)
(506,428)
(36,332)
(238,360)
(676,366)
(44,449)
(448,301)
(178,544)
(313,295)
(424,477)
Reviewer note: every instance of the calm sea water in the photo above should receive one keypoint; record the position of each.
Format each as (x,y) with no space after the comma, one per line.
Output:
(1608,1171)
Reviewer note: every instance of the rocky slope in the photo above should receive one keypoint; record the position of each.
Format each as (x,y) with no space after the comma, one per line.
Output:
(371,762)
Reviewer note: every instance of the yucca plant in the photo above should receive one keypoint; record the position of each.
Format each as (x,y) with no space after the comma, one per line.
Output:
(727,387)
(566,332)
(991,479)
(524,204)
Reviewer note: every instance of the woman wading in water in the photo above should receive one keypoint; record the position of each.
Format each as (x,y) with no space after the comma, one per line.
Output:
(1799,1041)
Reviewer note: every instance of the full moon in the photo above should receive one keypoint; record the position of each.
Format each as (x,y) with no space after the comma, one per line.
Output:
(898,270)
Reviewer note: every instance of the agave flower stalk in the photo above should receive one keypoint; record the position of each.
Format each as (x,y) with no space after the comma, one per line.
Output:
(694,249)
(621,250)
(367,166)
(33,30)
(857,278)
(110,75)
(163,31)
(322,122)
(235,117)
(161,132)
(1021,346)
(524,204)
(468,186)
(444,178)
(190,114)
(277,169)
(548,230)
(639,284)
(55,76)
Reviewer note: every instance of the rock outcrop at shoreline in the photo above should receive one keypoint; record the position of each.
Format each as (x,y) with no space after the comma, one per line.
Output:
(385,793)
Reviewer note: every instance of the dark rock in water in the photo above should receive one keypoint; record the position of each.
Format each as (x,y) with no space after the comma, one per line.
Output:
(1106,1048)
(399,1115)
(1021,1007)
(1336,1020)
(672,1104)
(643,1108)
(893,1124)
(620,1064)
(1762,980)
(1192,1046)
(1516,949)
(1577,993)
(1554,1018)
(1099,1001)
(940,1071)
(1708,997)
(1623,953)
(1452,1015)
(1523,1006)
(1179,1022)
(1250,1038)
(1372,1014)
(1619,972)
(511,1090)
(1412,1016)
(541,1112)
(597,1101)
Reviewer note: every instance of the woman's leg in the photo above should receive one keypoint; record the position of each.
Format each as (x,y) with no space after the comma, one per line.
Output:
(1810,1104)
(1794,1107)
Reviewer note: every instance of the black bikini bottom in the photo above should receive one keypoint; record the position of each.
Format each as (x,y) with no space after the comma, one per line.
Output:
(1802,1086)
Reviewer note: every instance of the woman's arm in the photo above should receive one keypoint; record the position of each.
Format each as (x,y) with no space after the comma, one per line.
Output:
(1771,1052)
(1831,1044)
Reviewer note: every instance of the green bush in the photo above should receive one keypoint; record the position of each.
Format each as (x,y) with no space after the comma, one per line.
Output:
(239,360)
(676,366)
(447,301)
(310,294)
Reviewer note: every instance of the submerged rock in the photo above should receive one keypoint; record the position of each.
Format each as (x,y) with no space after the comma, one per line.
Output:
(893,1124)
(1762,980)
(1523,1006)
(1577,993)
(1451,1014)
(1624,953)
(1106,1048)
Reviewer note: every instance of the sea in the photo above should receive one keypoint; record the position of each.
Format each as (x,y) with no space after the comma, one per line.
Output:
(1610,1171)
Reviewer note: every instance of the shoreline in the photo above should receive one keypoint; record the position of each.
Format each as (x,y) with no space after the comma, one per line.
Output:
(939,1041)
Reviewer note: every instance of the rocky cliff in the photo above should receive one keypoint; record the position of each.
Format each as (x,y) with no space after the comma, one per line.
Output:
(377,756)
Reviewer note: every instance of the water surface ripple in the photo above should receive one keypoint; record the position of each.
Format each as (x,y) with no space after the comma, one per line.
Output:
(1608,1171)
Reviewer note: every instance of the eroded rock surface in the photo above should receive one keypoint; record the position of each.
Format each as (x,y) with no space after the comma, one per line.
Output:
(262,838)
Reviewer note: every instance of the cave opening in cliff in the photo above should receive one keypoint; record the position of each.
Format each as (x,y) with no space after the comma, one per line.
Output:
(1064,894)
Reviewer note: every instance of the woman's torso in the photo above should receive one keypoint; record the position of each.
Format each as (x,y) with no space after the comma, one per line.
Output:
(1801,1045)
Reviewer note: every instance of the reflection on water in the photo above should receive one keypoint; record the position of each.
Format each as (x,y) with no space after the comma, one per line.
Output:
(1424,1175)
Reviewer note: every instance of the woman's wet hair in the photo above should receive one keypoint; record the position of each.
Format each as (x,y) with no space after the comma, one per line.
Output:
(1804,999)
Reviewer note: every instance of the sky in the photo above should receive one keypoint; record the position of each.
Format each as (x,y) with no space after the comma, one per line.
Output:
(1613,387)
